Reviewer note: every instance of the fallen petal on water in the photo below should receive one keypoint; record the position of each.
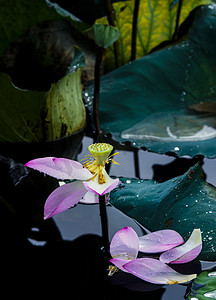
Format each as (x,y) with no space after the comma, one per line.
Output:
(155,271)
(125,244)
(186,252)
(159,241)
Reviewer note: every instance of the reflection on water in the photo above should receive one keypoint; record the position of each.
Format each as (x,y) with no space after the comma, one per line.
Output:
(173,126)
(212,274)
(211,294)
(63,255)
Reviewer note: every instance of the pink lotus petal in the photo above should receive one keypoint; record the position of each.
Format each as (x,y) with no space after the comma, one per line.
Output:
(63,197)
(186,252)
(61,168)
(119,263)
(155,271)
(101,189)
(125,244)
(90,198)
(160,241)
(73,168)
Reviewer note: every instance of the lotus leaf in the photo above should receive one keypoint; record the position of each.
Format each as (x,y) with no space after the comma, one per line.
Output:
(183,203)
(156,24)
(20,116)
(105,35)
(151,101)
(65,111)
(18,15)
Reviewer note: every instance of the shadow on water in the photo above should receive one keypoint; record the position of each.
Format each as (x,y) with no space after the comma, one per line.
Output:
(176,168)
(64,267)
(37,260)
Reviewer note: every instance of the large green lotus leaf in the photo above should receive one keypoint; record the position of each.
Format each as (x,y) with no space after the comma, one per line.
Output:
(156,24)
(182,203)
(149,101)
(20,113)
(18,15)
(204,286)
(65,111)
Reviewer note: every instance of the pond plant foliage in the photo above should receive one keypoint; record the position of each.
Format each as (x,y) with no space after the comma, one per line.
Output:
(135,75)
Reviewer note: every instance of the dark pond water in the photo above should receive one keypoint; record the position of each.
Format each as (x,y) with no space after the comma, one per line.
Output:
(62,256)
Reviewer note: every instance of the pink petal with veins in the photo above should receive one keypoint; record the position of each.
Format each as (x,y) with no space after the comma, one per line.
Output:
(63,198)
(124,244)
(119,263)
(60,168)
(155,271)
(160,241)
(186,252)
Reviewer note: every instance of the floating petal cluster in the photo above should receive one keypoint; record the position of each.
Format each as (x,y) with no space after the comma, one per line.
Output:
(126,244)
(90,179)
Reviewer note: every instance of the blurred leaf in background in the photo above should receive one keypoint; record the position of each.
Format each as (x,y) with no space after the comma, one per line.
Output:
(37,48)
(156,24)
(65,111)
(20,114)
(38,42)
(17,16)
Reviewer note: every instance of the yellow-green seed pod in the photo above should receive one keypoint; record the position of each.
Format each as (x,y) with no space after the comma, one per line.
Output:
(100,152)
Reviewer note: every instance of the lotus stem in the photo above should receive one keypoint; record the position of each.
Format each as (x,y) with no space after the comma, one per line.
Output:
(104,223)
(177,19)
(134,29)
(111,20)
(96,118)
